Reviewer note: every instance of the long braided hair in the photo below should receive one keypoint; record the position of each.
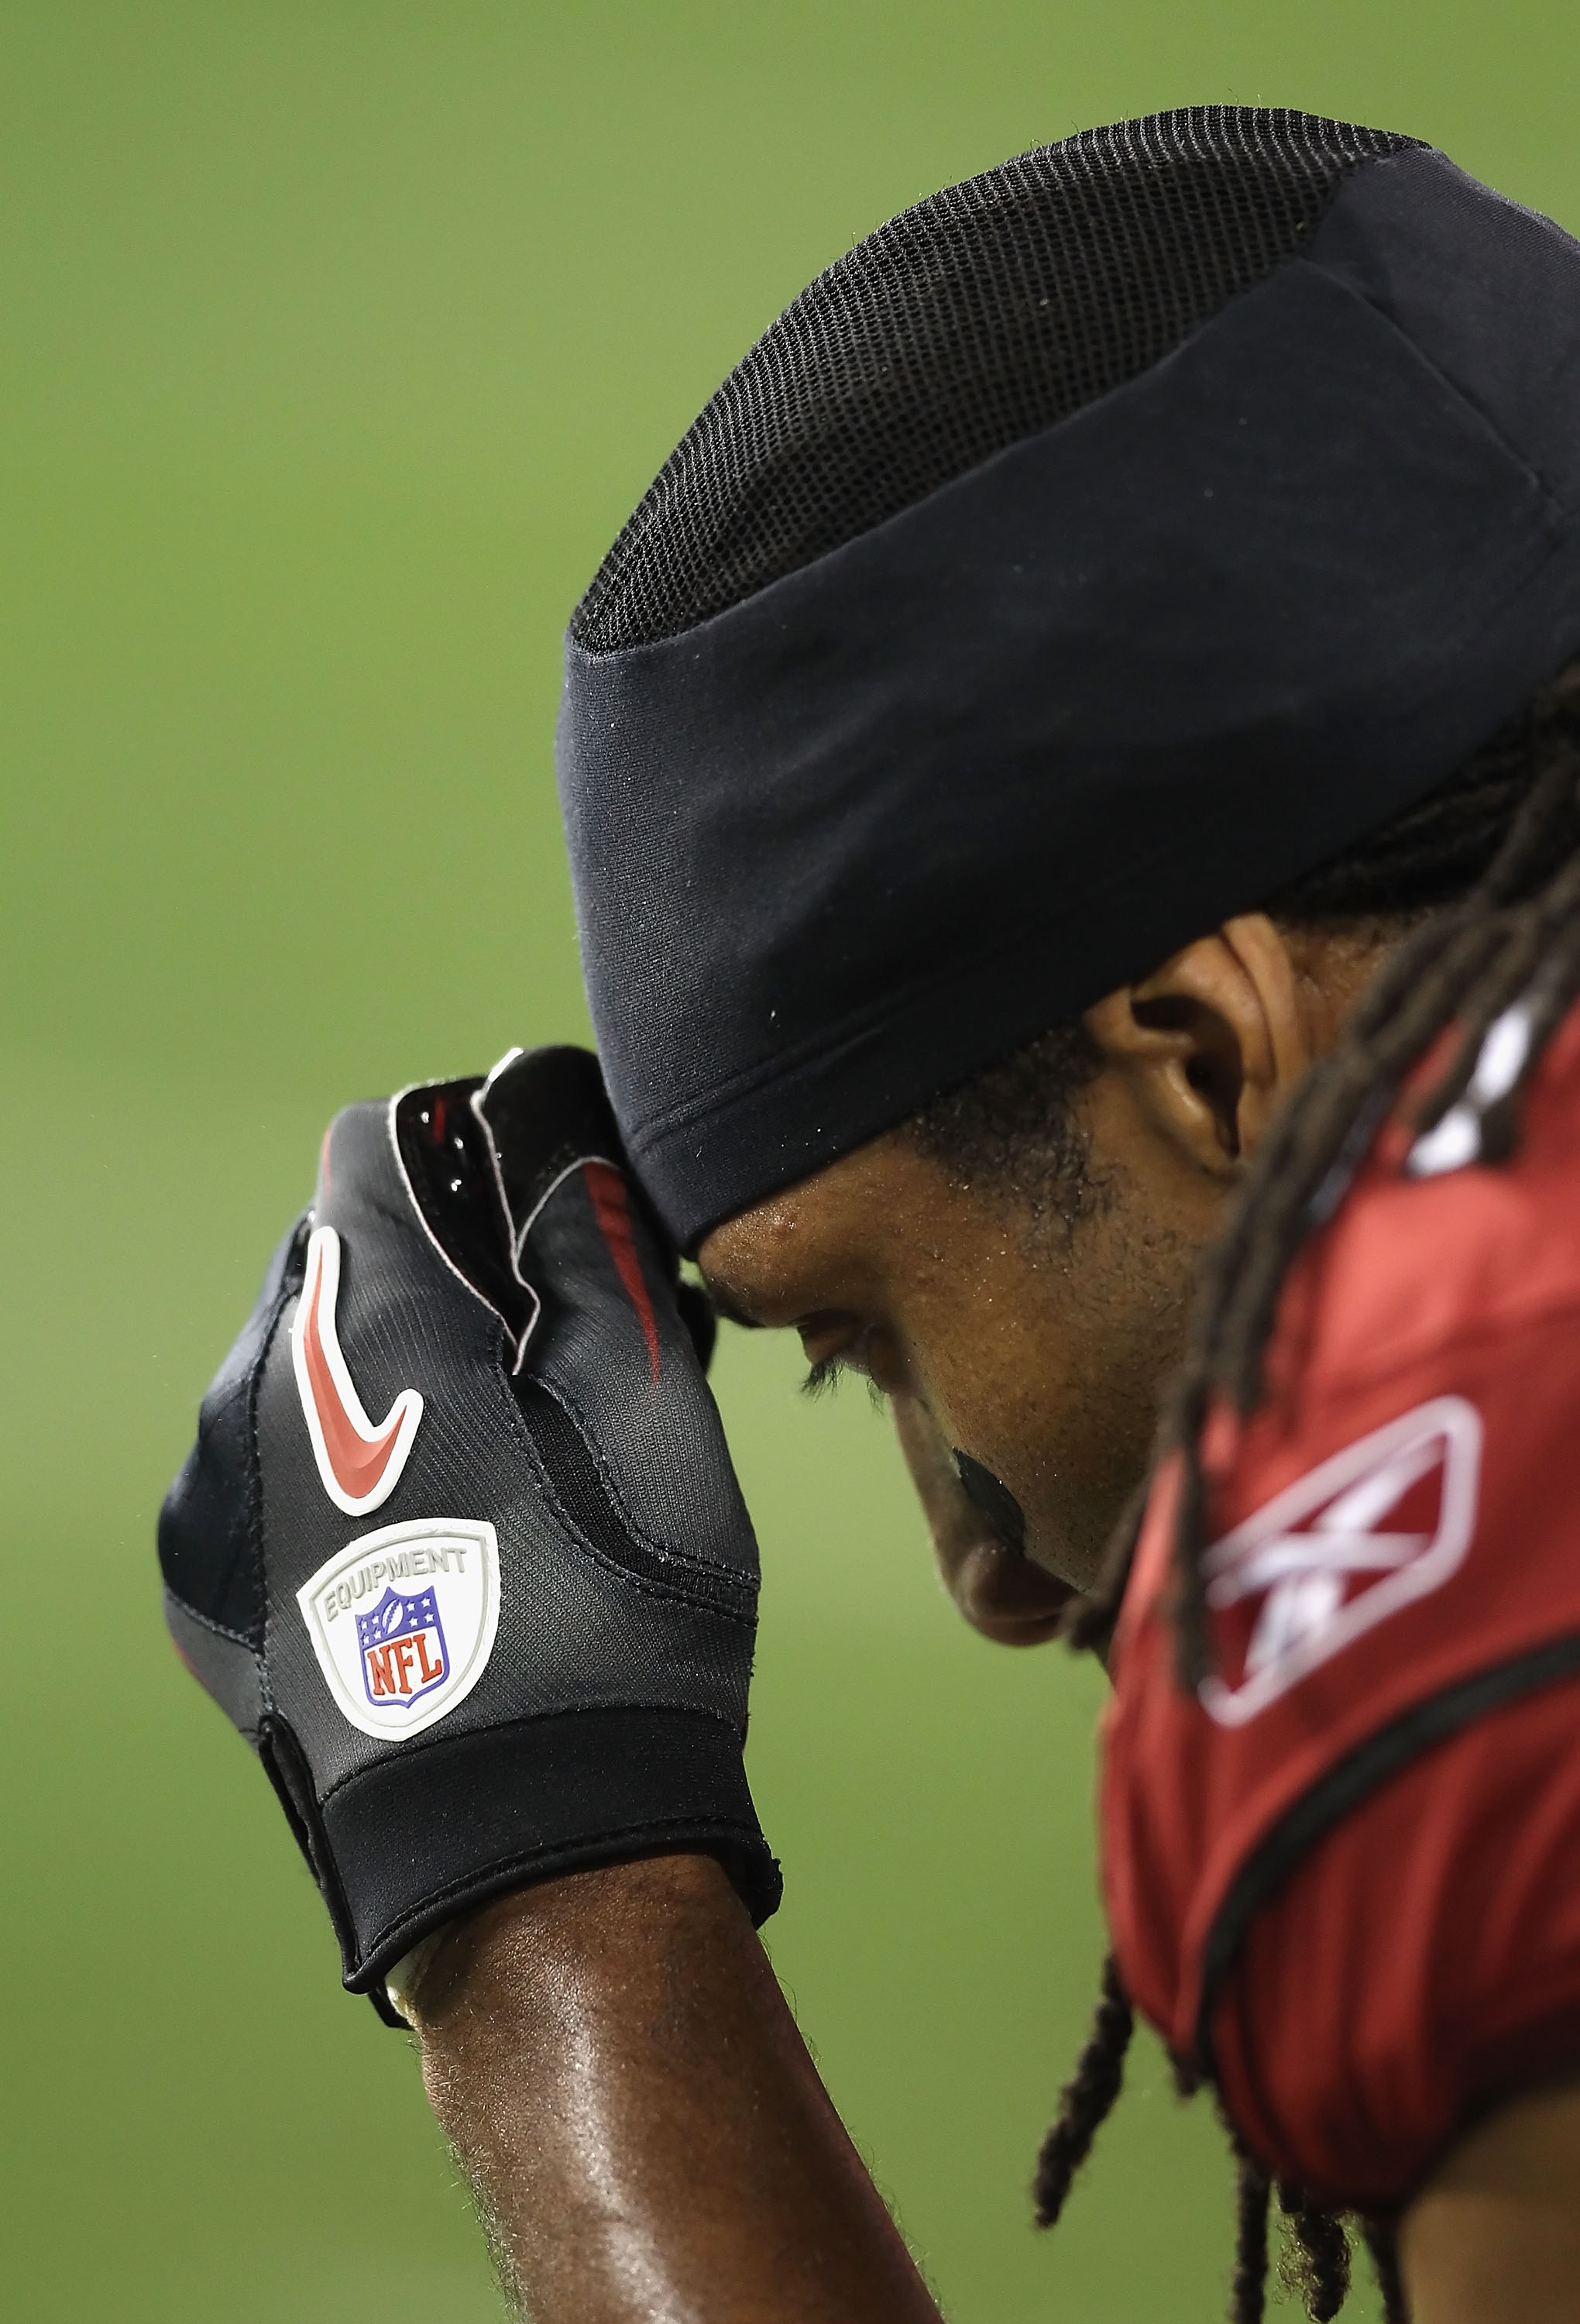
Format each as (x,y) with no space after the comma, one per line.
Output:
(1489,869)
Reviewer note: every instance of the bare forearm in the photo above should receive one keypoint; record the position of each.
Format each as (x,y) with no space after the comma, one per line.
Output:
(614,2063)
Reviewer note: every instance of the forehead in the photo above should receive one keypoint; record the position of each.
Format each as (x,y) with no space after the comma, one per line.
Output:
(833,1239)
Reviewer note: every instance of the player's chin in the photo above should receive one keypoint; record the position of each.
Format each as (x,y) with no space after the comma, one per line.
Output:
(1008,1598)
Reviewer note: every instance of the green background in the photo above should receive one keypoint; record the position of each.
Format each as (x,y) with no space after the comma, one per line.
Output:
(338,341)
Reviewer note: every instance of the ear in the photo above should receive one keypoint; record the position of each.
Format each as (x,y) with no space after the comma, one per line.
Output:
(1212,1042)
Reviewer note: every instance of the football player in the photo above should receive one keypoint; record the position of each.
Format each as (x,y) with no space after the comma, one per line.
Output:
(1110,647)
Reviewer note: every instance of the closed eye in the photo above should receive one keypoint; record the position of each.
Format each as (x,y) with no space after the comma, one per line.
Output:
(823,1377)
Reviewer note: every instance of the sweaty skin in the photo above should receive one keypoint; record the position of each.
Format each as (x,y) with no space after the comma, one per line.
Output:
(610,2053)
(647,2136)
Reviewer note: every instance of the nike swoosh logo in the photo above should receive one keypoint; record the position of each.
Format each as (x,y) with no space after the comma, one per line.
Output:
(359,1463)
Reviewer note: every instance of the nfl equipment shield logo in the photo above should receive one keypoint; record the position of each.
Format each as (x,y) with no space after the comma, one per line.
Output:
(1383,1523)
(402,1644)
(402,1622)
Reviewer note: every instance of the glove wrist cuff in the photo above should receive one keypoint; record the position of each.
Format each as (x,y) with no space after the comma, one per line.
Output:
(481,1813)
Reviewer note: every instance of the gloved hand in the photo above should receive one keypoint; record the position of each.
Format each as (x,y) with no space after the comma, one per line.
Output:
(460,1548)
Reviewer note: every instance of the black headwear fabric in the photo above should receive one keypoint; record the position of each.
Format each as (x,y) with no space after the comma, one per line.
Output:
(865,781)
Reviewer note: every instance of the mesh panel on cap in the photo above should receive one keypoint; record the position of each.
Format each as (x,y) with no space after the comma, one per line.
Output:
(986,314)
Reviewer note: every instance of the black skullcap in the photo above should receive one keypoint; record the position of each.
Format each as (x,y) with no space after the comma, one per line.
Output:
(1095,548)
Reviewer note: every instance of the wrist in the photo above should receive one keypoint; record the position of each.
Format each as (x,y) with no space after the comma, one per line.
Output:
(497,1959)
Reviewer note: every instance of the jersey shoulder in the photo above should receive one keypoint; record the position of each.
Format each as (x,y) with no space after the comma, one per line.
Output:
(1395,1558)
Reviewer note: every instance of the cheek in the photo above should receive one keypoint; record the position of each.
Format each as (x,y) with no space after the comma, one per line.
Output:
(997,1389)
(1048,1398)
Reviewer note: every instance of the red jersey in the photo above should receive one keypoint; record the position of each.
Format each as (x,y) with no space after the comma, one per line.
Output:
(1344,1876)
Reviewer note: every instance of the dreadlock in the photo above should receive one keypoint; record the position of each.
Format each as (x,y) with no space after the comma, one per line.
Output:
(1487,868)
(1248,2283)
(1087,2100)
(1379,2239)
(1315,2263)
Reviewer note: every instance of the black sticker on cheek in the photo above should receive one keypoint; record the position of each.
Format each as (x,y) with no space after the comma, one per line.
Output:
(994,1501)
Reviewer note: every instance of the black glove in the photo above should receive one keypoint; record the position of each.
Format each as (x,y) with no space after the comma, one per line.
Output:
(504,1627)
